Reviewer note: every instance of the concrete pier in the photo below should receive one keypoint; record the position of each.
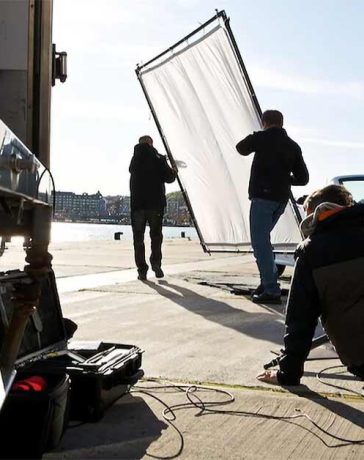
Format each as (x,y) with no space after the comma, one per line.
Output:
(193,333)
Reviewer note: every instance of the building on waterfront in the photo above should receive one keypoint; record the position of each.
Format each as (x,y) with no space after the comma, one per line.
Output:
(118,208)
(71,206)
(92,207)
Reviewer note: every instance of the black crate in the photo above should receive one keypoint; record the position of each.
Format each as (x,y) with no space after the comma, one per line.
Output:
(95,390)
(107,372)
(33,422)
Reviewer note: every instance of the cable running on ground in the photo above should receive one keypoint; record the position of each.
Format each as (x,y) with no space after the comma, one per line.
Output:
(206,407)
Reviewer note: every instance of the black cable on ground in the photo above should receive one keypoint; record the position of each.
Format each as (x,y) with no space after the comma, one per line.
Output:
(169,421)
(205,407)
(333,385)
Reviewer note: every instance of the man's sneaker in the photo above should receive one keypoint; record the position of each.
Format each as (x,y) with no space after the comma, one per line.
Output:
(158,272)
(264,297)
(142,276)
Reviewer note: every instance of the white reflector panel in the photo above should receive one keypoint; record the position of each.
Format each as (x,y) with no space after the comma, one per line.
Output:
(204,107)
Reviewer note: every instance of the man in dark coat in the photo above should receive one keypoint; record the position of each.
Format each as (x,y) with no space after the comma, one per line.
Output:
(277,165)
(149,172)
(327,284)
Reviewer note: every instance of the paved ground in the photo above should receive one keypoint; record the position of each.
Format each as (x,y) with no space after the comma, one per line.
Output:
(193,333)
(134,428)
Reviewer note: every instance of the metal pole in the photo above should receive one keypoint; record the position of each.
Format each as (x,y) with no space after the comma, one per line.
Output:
(171,48)
(42,80)
(242,65)
(295,208)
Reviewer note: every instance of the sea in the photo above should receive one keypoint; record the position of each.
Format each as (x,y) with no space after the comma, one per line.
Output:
(72,231)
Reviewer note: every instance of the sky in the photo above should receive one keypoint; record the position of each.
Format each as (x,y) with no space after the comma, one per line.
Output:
(304,57)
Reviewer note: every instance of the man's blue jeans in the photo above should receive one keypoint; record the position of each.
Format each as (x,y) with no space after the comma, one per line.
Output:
(264,215)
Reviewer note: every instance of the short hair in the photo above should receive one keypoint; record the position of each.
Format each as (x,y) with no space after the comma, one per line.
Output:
(301,200)
(145,139)
(337,194)
(273,117)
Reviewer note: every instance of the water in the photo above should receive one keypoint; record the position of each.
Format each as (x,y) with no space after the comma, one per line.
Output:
(65,231)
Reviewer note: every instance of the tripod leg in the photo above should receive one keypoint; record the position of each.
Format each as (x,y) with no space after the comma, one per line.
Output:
(315,343)
(273,363)
(319,341)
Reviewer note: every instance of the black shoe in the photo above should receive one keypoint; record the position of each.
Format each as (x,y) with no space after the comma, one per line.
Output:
(142,276)
(158,272)
(259,290)
(264,297)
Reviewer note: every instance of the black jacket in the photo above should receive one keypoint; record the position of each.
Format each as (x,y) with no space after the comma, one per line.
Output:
(328,282)
(277,164)
(148,173)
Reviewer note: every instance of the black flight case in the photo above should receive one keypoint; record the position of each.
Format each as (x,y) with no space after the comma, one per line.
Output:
(80,380)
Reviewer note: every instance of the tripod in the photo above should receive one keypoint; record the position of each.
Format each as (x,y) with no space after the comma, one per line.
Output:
(315,343)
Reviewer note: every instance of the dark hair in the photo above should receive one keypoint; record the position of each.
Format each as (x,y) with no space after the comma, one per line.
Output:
(145,139)
(337,194)
(301,200)
(273,117)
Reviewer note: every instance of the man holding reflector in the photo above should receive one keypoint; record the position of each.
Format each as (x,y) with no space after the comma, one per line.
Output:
(277,165)
(149,172)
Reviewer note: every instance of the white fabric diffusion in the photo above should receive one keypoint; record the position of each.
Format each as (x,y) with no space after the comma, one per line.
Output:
(204,107)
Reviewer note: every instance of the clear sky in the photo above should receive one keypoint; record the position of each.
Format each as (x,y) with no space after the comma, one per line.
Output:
(304,57)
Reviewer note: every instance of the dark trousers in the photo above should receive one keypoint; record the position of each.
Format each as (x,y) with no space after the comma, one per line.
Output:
(139,220)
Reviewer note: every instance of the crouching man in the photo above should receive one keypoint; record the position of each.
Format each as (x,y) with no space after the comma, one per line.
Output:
(328,283)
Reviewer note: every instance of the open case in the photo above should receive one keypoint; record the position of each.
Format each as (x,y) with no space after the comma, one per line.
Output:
(80,380)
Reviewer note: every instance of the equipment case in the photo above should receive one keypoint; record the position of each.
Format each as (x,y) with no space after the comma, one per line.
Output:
(37,418)
(96,373)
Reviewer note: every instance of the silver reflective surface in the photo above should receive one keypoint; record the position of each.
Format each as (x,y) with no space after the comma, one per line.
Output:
(20,170)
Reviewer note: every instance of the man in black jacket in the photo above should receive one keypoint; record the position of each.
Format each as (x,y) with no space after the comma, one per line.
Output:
(277,165)
(149,172)
(327,284)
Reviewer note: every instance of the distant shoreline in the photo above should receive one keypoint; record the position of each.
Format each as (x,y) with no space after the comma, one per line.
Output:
(112,223)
